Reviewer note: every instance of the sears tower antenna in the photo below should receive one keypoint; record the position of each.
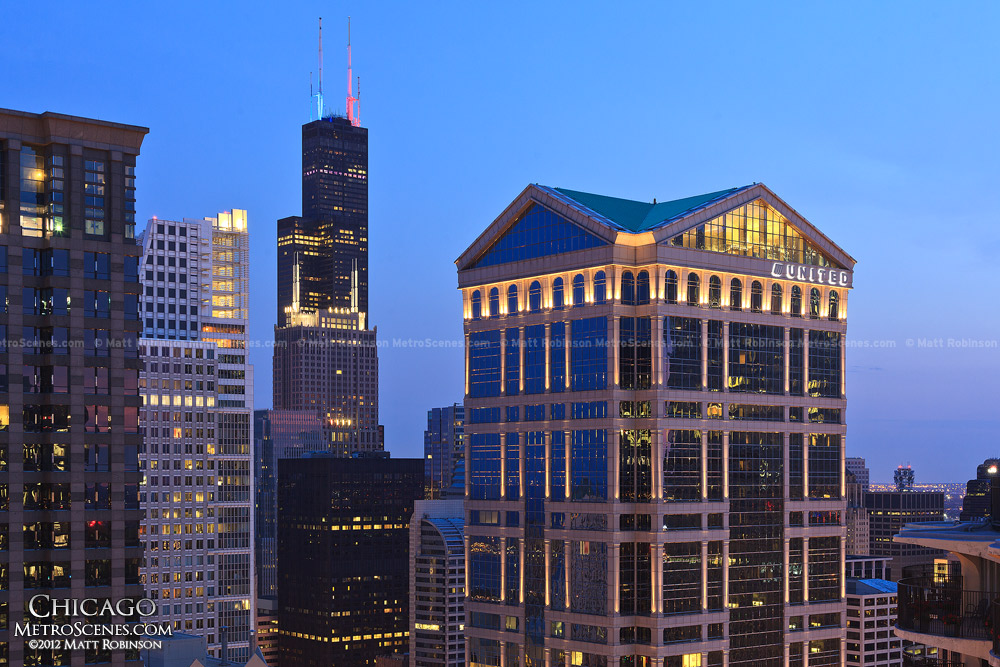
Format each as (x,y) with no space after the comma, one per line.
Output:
(319,94)
(353,103)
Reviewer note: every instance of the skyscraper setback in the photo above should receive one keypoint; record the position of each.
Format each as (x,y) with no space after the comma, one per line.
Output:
(325,356)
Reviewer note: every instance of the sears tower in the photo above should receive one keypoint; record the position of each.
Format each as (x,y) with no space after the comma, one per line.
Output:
(325,353)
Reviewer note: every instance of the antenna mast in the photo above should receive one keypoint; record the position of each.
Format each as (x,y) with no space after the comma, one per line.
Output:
(352,102)
(319,95)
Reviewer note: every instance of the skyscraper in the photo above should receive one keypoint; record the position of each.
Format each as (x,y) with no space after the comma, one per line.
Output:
(655,403)
(325,355)
(888,513)
(856,466)
(198,397)
(444,448)
(343,557)
(437,584)
(69,419)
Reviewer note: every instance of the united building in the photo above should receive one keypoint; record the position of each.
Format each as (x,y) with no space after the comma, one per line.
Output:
(655,419)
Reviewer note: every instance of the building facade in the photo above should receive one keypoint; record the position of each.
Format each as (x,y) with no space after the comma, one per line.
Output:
(655,408)
(978,497)
(343,599)
(871,618)
(444,448)
(857,467)
(856,517)
(437,584)
(888,512)
(69,419)
(197,387)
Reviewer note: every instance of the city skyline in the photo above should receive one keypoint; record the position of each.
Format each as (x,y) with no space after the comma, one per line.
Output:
(861,148)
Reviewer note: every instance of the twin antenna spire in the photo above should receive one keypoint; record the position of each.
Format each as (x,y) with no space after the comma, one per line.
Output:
(353,105)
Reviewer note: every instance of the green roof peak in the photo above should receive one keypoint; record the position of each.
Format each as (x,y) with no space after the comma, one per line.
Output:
(638,216)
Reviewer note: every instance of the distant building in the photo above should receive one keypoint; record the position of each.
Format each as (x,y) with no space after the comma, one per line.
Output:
(856,518)
(888,512)
(343,557)
(184,650)
(437,584)
(903,478)
(976,503)
(856,466)
(444,447)
(866,567)
(267,630)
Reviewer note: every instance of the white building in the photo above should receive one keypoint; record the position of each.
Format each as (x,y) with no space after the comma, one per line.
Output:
(197,389)
(871,617)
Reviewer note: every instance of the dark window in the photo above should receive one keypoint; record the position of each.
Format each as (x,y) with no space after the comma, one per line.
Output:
(670,286)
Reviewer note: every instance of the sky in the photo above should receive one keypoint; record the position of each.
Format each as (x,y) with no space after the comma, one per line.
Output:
(876,121)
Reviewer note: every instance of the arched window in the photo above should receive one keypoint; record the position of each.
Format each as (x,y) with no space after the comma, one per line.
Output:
(642,288)
(796,305)
(671,287)
(628,289)
(735,294)
(512,300)
(494,302)
(756,297)
(834,306)
(578,290)
(600,287)
(715,292)
(535,297)
(557,293)
(814,304)
(776,299)
(477,305)
(694,289)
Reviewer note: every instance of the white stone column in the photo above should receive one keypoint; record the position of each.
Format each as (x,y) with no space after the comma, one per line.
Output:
(725,356)
(704,575)
(704,355)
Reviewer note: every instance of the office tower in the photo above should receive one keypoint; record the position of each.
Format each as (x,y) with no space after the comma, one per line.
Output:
(654,432)
(198,397)
(871,616)
(267,630)
(888,512)
(902,477)
(437,584)
(978,495)
(952,610)
(69,419)
(856,466)
(444,448)
(343,557)
(325,355)
(278,434)
(856,517)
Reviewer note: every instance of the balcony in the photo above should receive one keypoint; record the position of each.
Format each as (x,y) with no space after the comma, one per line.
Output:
(941,607)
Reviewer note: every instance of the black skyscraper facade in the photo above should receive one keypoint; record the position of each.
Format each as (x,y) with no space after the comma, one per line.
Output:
(319,250)
(343,557)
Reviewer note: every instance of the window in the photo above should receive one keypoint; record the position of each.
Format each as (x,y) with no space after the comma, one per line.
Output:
(512,307)
(589,353)
(628,289)
(97,265)
(477,305)
(735,294)
(578,290)
(484,364)
(494,302)
(535,297)
(538,233)
(693,295)
(557,293)
(715,292)
(814,304)
(642,289)
(670,285)
(97,303)
(756,297)
(834,306)
(776,299)
(796,305)
(600,287)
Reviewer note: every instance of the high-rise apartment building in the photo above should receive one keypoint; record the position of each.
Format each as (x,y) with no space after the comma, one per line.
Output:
(197,390)
(871,617)
(69,400)
(325,355)
(444,449)
(437,584)
(655,402)
(343,557)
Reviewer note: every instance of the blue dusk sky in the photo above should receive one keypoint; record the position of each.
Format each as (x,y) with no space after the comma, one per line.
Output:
(876,121)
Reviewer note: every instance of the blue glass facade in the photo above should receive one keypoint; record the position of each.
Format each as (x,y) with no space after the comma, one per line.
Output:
(538,233)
